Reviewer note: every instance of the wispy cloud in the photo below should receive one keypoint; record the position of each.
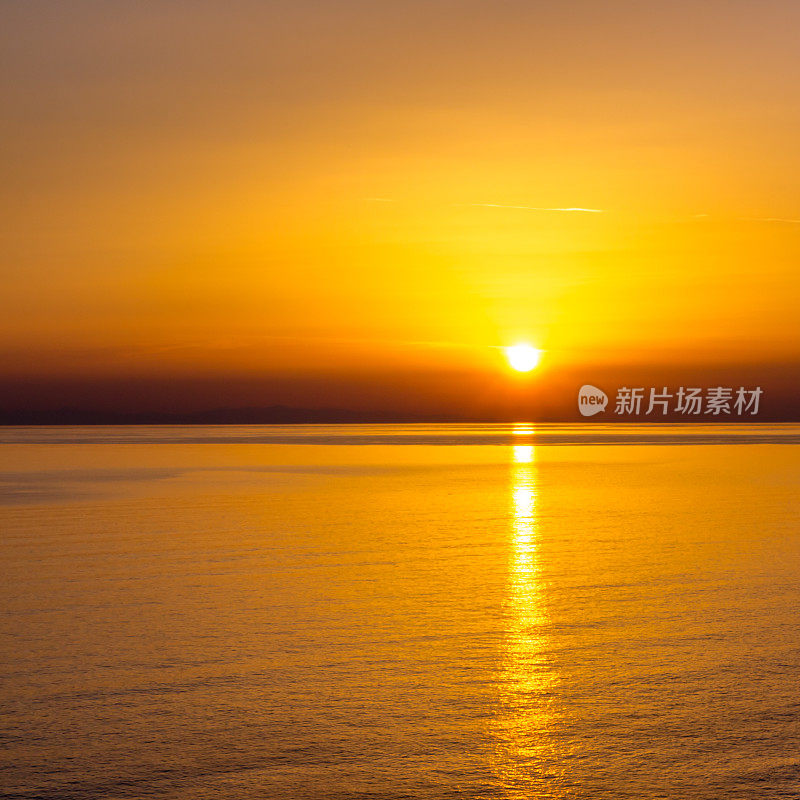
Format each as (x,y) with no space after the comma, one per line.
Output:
(540,208)
(779,220)
(772,219)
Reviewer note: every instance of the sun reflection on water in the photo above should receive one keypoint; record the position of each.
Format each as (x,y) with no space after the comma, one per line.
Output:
(524,756)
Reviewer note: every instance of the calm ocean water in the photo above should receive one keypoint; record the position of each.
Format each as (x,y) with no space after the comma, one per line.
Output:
(400,612)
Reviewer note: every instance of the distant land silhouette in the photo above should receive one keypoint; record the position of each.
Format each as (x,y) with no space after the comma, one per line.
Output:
(275,415)
(286,415)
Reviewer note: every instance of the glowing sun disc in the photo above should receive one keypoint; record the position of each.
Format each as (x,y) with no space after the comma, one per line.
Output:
(523,357)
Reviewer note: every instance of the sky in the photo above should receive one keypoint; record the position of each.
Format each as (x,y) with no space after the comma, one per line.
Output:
(359,204)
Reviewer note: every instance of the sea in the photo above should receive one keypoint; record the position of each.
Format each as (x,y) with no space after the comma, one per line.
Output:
(400,611)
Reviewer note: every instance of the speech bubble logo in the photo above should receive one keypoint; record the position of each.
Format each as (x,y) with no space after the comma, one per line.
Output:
(591,400)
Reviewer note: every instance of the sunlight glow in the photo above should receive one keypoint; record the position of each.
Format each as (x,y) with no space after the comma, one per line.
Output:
(523,454)
(522,357)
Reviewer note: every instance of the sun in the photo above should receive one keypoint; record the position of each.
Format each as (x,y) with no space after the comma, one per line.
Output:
(522,357)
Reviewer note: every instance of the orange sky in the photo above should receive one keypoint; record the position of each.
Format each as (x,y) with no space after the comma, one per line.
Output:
(341,191)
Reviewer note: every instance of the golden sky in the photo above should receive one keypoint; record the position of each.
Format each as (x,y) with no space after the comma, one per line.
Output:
(342,189)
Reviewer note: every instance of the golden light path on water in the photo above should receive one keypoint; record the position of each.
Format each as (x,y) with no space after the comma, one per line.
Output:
(525,757)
